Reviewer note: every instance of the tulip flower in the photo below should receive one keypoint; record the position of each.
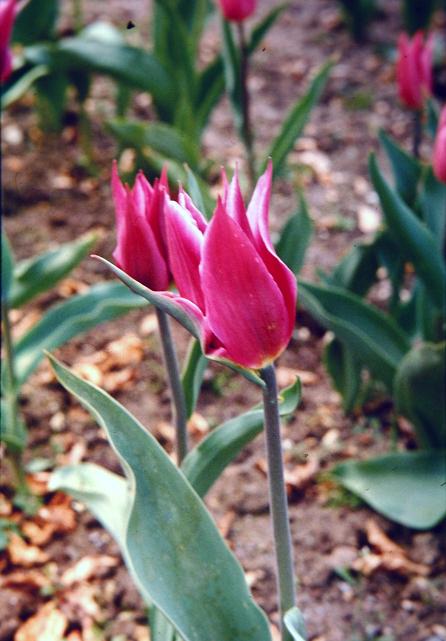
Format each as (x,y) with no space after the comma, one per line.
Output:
(439,155)
(7,16)
(231,283)
(141,249)
(414,69)
(237,10)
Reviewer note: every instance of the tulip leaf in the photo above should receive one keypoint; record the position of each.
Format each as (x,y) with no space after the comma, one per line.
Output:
(414,238)
(373,337)
(7,268)
(295,624)
(296,120)
(160,301)
(36,21)
(163,138)
(40,273)
(20,82)
(102,302)
(356,271)
(295,237)
(204,464)
(173,547)
(406,168)
(107,495)
(419,392)
(192,375)
(406,487)
(345,372)
(231,65)
(197,190)
(433,206)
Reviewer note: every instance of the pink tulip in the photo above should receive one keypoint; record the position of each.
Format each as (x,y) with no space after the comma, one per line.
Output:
(237,10)
(141,248)
(7,16)
(414,69)
(229,278)
(439,156)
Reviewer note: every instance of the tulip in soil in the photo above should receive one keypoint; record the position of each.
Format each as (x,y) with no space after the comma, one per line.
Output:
(237,10)
(414,69)
(439,156)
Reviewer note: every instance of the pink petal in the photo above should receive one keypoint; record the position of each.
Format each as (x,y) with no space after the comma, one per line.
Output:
(233,202)
(244,306)
(120,194)
(186,201)
(184,243)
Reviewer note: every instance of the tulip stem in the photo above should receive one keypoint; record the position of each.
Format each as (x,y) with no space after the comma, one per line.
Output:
(178,400)
(278,499)
(246,124)
(417,133)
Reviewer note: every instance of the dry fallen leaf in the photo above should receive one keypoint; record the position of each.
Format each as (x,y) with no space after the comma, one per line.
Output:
(287,376)
(38,482)
(59,513)
(48,624)
(26,580)
(37,533)
(301,475)
(23,554)
(225,523)
(87,568)
(5,506)
(198,425)
(148,325)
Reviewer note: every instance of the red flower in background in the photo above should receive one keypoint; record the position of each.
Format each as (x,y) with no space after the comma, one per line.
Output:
(237,10)
(7,16)
(414,69)
(439,155)
(141,249)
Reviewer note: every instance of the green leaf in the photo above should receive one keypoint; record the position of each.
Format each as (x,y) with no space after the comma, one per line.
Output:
(406,487)
(406,168)
(40,273)
(78,314)
(231,65)
(345,372)
(163,138)
(7,268)
(413,237)
(433,206)
(296,120)
(107,495)
(51,90)
(192,375)
(22,81)
(419,392)
(372,336)
(433,115)
(261,28)
(356,271)
(36,21)
(204,464)
(182,564)
(295,237)
(417,14)
(197,190)
(295,624)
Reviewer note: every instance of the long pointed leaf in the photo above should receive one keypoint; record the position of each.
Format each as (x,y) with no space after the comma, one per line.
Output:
(182,564)
(192,375)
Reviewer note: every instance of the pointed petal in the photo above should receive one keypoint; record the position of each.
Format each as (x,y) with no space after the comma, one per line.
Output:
(119,195)
(244,306)
(184,243)
(186,201)
(233,202)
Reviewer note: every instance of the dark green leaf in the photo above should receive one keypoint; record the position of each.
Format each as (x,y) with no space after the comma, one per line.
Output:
(173,547)
(420,383)
(295,237)
(261,28)
(372,336)
(232,73)
(356,271)
(7,268)
(192,375)
(36,21)
(345,372)
(407,487)
(78,314)
(40,273)
(433,205)
(23,80)
(417,14)
(197,190)
(296,120)
(51,92)
(413,237)
(204,464)
(406,169)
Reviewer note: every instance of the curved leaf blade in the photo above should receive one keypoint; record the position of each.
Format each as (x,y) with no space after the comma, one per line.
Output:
(171,540)
(192,375)
(295,624)
(78,314)
(407,487)
(7,268)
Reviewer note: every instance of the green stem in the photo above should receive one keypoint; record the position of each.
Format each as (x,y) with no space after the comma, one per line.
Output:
(11,400)
(417,133)
(278,499)
(246,125)
(178,401)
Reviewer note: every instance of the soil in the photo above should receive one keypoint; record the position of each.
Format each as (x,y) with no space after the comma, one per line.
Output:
(49,197)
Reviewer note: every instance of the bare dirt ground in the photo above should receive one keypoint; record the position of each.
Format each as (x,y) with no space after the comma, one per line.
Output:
(49,198)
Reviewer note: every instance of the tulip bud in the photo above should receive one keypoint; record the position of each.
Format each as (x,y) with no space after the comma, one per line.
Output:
(414,69)
(439,155)
(141,249)
(237,10)
(7,16)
